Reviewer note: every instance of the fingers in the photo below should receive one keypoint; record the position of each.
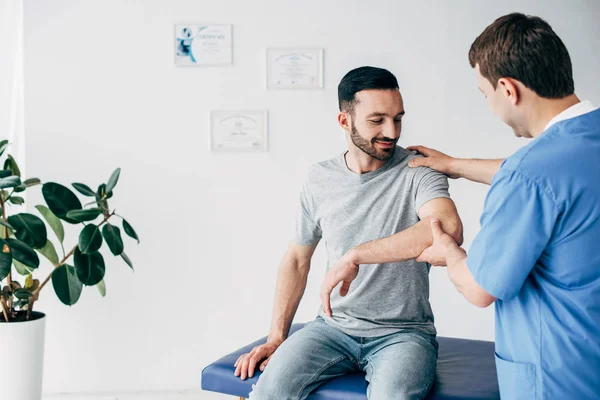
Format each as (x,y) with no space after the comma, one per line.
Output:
(238,360)
(418,149)
(325,298)
(344,288)
(436,228)
(419,162)
(255,359)
(238,365)
(264,364)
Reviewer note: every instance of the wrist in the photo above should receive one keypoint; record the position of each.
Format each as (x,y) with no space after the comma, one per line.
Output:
(275,339)
(455,255)
(355,255)
(455,165)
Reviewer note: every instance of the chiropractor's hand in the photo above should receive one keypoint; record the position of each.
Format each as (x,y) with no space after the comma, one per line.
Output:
(345,271)
(435,160)
(443,247)
(246,363)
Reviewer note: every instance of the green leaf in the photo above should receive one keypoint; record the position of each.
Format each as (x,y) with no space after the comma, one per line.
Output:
(23,253)
(29,229)
(84,215)
(66,285)
(53,221)
(10,182)
(102,191)
(9,226)
(60,200)
(20,188)
(23,294)
(5,259)
(17,200)
(5,173)
(84,189)
(11,164)
(101,288)
(112,236)
(90,267)
(31,182)
(112,181)
(49,252)
(3,145)
(22,269)
(127,260)
(90,240)
(129,231)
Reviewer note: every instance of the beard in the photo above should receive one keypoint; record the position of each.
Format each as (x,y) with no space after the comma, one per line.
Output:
(368,147)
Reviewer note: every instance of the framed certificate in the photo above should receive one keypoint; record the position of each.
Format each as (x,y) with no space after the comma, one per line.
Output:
(197,45)
(239,131)
(294,68)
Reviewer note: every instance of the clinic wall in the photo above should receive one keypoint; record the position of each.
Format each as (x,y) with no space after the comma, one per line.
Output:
(101,91)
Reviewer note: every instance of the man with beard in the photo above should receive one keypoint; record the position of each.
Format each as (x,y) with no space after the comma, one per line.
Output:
(384,326)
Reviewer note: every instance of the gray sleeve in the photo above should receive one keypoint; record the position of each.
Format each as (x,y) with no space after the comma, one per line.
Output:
(429,185)
(308,232)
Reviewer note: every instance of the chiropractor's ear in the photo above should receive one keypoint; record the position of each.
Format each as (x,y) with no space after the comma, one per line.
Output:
(509,89)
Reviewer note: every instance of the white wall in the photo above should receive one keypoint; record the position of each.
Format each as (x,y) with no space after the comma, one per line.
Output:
(101,91)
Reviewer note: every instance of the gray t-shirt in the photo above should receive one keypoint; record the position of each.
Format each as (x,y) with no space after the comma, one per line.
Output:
(347,209)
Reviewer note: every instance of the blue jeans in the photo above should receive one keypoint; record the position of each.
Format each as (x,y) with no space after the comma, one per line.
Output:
(397,366)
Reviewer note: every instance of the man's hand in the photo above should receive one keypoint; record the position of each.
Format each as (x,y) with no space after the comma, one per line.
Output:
(345,270)
(435,160)
(246,363)
(443,247)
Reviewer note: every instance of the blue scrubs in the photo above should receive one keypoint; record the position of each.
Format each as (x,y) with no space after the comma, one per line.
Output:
(538,253)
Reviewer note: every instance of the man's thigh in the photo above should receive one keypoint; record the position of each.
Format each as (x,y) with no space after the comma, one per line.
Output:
(308,358)
(401,367)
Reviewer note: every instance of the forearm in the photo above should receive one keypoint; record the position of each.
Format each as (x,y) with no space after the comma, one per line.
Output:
(291,284)
(407,244)
(461,277)
(476,170)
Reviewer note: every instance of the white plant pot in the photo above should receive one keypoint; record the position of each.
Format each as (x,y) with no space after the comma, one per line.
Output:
(22,359)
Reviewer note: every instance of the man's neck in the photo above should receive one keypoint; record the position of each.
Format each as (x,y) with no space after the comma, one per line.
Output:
(360,162)
(546,109)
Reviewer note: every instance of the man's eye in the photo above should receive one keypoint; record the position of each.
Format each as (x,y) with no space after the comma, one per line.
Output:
(376,121)
(398,120)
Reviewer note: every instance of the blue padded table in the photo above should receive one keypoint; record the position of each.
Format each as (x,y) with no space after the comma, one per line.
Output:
(465,370)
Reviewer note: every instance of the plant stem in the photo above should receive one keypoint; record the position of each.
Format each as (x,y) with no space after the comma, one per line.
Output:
(37,291)
(9,277)
(4,308)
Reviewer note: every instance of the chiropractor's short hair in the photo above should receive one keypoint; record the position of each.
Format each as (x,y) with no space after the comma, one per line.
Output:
(524,48)
(363,78)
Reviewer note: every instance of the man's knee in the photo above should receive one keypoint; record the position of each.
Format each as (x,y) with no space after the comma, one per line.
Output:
(276,384)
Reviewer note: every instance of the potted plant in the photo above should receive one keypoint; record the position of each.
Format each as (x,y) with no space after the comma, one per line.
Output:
(23,238)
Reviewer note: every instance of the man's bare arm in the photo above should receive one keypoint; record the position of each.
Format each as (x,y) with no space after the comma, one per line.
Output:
(411,242)
(472,169)
(291,283)
(401,246)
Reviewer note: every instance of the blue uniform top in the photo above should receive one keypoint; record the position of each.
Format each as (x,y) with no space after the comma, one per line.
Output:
(538,253)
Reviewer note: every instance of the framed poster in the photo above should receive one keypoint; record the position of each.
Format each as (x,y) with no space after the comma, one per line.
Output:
(197,45)
(291,68)
(239,131)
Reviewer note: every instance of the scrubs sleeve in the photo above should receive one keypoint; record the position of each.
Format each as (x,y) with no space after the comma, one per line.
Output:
(516,226)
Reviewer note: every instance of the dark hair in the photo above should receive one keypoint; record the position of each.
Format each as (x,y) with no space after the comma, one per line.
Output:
(524,48)
(363,78)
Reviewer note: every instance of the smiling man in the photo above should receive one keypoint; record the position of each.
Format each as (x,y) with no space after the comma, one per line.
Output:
(536,256)
(384,326)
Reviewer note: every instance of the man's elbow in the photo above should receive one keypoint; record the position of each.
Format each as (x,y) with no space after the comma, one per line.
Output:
(452,225)
(480,298)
